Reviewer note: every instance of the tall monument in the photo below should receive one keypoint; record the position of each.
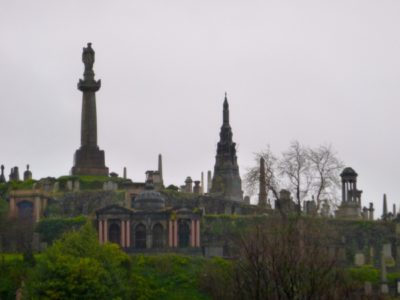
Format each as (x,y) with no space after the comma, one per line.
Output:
(226,180)
(89,159)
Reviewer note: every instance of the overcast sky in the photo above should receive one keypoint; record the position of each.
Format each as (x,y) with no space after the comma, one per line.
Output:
(316,71)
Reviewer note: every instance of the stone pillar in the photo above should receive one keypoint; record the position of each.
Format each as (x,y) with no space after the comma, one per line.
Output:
(193,234)
(175,233)
(13,210)
(208,181)
(170,238)
(89,159)
(197,233)
(160,168)
(105,231)
(128,233)
(125,175)
(385,211)
(262,196)
(202,183)
(123,244)
(37,208)
(100,226)
(149,237)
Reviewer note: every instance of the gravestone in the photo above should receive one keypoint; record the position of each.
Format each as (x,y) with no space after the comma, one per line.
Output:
(359,259)
(69,185)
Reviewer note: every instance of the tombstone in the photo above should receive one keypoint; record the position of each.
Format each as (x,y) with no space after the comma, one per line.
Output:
(14,175)
(310,207)
(188,185)
(196,189)
(56,187)
(364,213)
(371,211)
(209,182)
(2,177)
(367,288)
(69,185)
(113,175)
(384,284)
(246,200)
(371,255)
(359,259)
(387,250)
(325,210)
(27,174)
(77,186)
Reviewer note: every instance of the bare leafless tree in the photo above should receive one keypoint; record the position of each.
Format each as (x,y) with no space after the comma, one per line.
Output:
(304,171)
(253,174)
(288,258)
(296,168)
(325,168)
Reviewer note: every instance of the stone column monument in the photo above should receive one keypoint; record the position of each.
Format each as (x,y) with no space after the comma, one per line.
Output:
(89,159)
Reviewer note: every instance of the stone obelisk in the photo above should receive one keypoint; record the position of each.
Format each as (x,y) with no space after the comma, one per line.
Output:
(89,159)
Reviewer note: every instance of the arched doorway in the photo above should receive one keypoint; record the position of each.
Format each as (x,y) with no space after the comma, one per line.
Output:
(140,236)
(25,210)
(184,233)
(158,236)
(114,234)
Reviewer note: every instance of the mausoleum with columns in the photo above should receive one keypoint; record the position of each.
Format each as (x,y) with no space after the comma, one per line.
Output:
(149,224)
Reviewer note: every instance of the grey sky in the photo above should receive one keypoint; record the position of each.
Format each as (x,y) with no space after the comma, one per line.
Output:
(315,71)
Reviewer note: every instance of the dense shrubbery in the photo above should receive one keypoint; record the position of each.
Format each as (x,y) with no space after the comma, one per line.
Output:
(166,277)
(78,267)
(12,270)
(51,229)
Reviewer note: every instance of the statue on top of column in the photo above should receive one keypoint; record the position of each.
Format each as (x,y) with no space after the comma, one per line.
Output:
(88,57)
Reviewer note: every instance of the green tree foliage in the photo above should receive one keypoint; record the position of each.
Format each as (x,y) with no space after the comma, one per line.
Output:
(51,229)
(218,270)
(12,269)
(167,277)
(78,267)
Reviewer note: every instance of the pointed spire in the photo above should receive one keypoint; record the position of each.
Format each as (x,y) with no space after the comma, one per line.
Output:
(226,110)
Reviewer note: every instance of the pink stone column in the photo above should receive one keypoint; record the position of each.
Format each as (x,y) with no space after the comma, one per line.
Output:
(128,233)
(170,237)
(100,231)
(176,233)
(105,231)
(123,245)
(192,234)
(197,233)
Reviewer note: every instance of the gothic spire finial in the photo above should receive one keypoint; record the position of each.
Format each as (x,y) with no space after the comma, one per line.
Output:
(226,110)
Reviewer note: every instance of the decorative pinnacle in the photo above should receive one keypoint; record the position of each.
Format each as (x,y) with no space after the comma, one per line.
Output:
(226,110)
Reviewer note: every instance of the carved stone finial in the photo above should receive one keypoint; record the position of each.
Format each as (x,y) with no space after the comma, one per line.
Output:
(88,57)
